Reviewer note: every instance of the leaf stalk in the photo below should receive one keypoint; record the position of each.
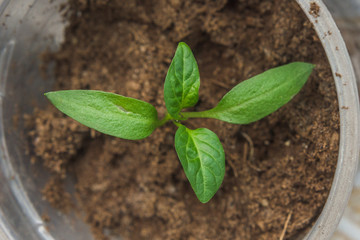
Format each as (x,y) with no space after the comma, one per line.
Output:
(188,115)
(164,120)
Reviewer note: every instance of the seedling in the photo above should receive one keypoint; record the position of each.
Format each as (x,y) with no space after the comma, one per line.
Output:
(200,151)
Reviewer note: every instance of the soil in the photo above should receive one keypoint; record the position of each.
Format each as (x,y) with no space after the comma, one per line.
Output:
(277,169)
(314,9)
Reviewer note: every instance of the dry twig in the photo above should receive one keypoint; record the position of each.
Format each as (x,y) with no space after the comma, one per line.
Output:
(285,226)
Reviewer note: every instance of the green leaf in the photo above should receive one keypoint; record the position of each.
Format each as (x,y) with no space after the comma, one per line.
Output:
(108,113)
(202,157)
(261,95)
(182,81)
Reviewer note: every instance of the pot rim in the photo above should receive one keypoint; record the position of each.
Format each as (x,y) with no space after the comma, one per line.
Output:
(348,99)
(340,63)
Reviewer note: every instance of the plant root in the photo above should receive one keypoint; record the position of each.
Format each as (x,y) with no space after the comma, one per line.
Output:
(251,146)
(249,154)
(231,163)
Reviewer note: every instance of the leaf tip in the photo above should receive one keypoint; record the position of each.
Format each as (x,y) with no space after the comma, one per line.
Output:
(50,95)
(304,69)
(47,94)
(311,66)
(182,44)
(205,200)
(305,65)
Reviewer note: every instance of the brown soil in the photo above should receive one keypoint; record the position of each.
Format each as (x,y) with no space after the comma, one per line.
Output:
(279,166)
(314,9)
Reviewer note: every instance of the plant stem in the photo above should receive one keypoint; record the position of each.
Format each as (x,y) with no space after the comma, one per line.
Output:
(184,116)
(177,123)
(164,120)
(187,115)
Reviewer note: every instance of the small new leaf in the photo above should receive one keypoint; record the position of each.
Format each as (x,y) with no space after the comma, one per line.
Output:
(261,95)
(181,89)
(202,157)
(108,113)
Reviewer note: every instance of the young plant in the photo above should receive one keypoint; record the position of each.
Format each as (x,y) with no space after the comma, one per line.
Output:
(200,151)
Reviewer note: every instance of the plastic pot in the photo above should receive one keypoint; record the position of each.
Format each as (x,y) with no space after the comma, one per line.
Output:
(31,27)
